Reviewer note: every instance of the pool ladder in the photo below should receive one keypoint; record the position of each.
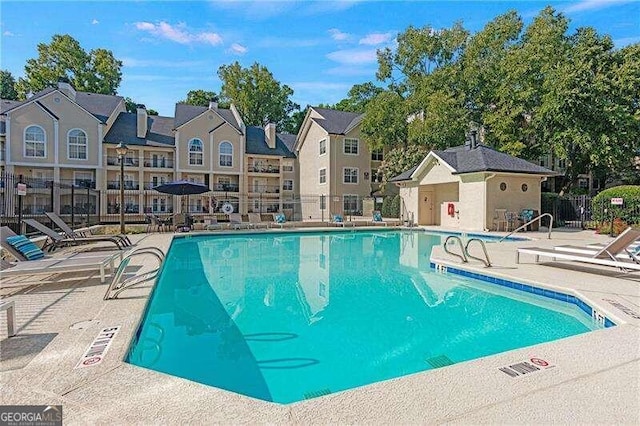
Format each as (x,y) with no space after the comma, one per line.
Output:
(465,255)
(118,284)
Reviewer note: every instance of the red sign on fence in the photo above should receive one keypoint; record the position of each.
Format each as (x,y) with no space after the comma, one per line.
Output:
(22,188)
(617,201)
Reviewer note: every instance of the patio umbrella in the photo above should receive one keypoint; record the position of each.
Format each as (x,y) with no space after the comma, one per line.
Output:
(182,187)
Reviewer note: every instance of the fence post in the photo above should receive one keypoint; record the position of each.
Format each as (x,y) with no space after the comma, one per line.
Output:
(88,203)
(20,231)
(51,199)
(73,206)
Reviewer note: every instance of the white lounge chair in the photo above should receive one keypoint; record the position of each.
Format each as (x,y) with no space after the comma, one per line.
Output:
(255,220)
(124,240)
(338,220)
(56,240)
(236,222)
(608,255)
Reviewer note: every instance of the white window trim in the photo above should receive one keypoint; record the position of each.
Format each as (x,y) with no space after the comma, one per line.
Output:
(283,185)
(344,146)
(86,138)
(357,175)
(325,146)
(75,174)
(325,176)
(189,152)
(220,154)
(24,141)
(377,152)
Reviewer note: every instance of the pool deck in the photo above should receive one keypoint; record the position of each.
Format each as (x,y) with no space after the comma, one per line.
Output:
(595,376)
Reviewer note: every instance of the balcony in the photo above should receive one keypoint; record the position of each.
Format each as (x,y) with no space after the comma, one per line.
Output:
(128,161)
(264,189)
(226,187)
(269,168)
(127,184)
(158,163)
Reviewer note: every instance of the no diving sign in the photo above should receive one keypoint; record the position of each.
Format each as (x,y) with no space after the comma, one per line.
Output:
(529,366)
(98,348)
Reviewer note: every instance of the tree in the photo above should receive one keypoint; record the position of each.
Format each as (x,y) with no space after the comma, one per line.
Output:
(293,124)
(7,86)
(399,160)
(201,97)
(385,121)
(132,106)
(259,97)
(358,97)
(97,71)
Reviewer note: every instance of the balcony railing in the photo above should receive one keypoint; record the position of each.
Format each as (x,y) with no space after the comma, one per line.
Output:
(269,168)
(161,163)
(226,187)
(127,185)
(264,189)
(128,161)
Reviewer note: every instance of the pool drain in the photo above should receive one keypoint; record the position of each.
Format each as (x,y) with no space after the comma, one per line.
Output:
(439,361)
(315,394)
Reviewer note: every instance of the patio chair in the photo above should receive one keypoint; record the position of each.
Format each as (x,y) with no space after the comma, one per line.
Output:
(500,218)
(606,256)
(376,218)
(76,262)
(279,219)
(124,240)
(182,222)
(255,219)
(56,240)
(236,222)
(338,220)
(211,223)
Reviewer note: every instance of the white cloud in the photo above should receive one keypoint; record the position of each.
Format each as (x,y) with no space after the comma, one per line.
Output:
(238,49)
(95,22)
(338,35)
(353,56)
(586,5)
(178,33)
(376,38)
(8,34)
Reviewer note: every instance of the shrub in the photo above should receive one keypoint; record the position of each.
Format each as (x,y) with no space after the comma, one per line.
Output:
(619,225)
(391,206)
(629,212)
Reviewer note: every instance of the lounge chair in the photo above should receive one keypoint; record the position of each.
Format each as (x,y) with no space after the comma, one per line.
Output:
(124,240)
(255,219)
(607,255)
(376,218)
(182,222)
(211,223)
(279,219)
(56,240)
(236,222)
(338,220)
(622,247)
(76,262)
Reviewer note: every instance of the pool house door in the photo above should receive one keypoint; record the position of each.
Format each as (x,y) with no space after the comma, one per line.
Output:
(426,207)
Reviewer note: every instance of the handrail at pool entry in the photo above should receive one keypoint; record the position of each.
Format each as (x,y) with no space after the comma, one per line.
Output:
(486,261)
(116,287)
(529,223)
(462,256)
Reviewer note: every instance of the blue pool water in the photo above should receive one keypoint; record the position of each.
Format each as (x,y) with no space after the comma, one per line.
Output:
(284,316)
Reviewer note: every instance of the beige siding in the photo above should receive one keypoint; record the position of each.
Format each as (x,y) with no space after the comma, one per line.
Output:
(513,198)
(472,202)
(409,204)
(21,119)
(340,161)
(310,162)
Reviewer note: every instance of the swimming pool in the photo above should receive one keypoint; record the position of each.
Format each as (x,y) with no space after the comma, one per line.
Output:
(289,316)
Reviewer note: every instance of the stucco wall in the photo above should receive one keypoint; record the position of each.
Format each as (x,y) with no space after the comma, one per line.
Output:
(513,198)
(471,206)
(409,194)
(340,160)
(312,162)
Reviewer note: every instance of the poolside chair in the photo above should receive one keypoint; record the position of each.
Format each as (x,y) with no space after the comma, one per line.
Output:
(500,218)
(607,255)
(56,240)
(376,218)
(211,223)
(124,240)
(236,222)
(76,262)
(626,246)
(338,220)
(279,219)
(255,219)
(182,222)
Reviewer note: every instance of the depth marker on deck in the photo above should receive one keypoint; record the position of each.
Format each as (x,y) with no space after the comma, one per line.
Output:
(98,348)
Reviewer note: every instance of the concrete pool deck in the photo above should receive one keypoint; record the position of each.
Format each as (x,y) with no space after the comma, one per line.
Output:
(595,376)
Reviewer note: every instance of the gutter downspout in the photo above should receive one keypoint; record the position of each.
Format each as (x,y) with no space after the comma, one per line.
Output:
(484,210)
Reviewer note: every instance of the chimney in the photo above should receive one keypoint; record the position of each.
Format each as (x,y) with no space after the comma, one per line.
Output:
(213,103)
(29,94)
(474,142)
(64,85)
(141,121)
(270,134)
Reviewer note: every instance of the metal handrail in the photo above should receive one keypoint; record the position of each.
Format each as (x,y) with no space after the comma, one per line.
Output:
(529,223)
(487,262)
(116,287)
(463,256)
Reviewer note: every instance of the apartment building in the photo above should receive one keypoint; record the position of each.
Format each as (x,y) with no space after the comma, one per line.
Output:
(336,166)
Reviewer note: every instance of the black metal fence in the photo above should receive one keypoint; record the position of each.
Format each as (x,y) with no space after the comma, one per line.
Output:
(579,211)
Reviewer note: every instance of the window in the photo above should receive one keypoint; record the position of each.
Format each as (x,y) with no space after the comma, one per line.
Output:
(583,183)
(351,146)
(34,142)
(323,175)
(323,202)
(287,167)
(195,152)
(350,175)
(323,146)
(287,185)
(375,177)
(76,145)
(226,154)
(350,204)
(83,179)
(377,155)
(562,163)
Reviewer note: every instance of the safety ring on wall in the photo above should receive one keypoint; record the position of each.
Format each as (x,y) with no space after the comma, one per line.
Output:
(227,208)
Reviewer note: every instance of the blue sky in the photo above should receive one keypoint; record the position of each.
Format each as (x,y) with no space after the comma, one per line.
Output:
(320,49)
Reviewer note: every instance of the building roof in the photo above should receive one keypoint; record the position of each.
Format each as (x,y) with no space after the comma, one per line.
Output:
(337,122)
(98,105)
(463,159)
(185,113)
(257,143)
(124,129)
(5,105)
(288,139)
